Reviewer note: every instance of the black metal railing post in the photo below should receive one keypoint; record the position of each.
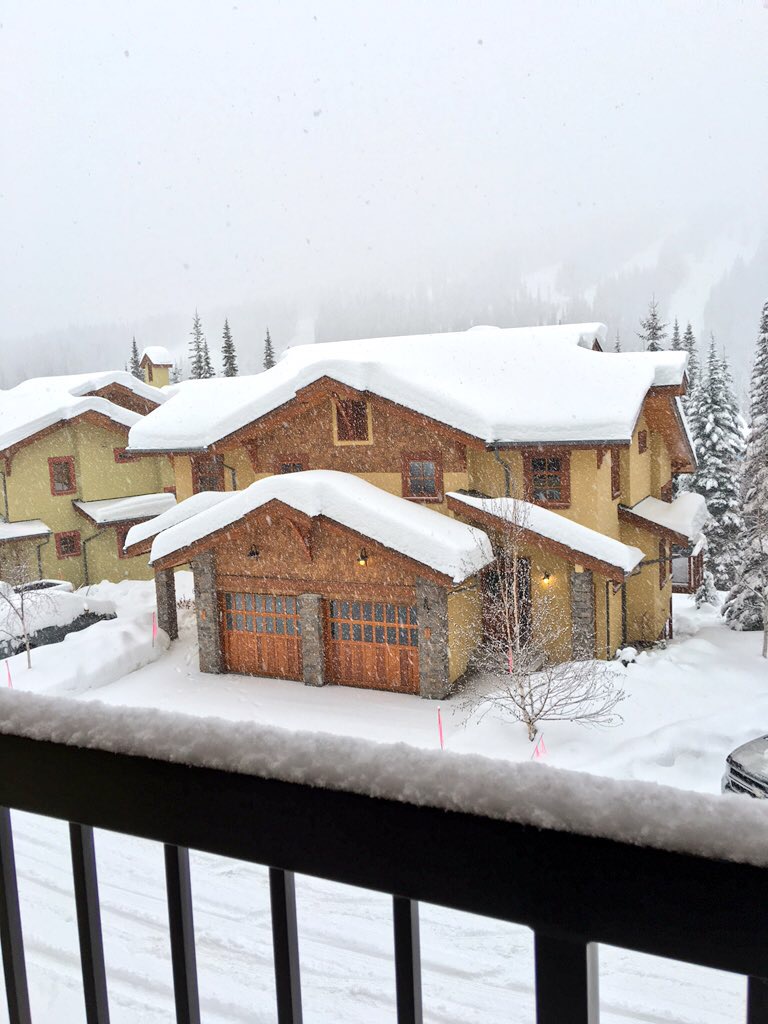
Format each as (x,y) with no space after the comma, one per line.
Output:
(757,1001)
(182,930)
(566,981)
(405,915)
(89,924)
(285,942)
(14,967)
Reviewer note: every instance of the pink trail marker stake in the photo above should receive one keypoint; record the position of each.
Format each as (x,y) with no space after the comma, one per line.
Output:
(440,729)
(154,627)
(539,750)
(8,672)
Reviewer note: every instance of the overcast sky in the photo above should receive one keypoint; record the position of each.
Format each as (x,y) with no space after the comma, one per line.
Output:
(158,156)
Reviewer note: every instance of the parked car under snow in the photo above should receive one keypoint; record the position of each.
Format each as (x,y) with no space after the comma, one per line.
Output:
(746,770)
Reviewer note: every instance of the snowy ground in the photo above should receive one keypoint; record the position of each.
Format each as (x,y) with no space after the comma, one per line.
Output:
(686,708)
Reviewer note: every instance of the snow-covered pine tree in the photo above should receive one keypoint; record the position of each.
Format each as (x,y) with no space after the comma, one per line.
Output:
(719,450)
(197,340)
(135,367)
(176,373)
(746,603)
(654,332)
(228,354)
(676,344)
(207,370)
(269,353)
(690,346)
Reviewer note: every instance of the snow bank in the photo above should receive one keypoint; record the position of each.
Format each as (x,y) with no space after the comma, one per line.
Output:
(428,537)
(549,524)
(485,382)
(643,814)
(121,510)
(686,515)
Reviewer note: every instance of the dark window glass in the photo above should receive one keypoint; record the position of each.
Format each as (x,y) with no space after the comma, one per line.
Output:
(368,633)
(352,421)
(422,479)
(291,467)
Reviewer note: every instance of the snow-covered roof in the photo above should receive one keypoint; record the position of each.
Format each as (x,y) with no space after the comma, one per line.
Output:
(79,384)
(429,537)
(686,515)
(27,528)
(555,527)
(506,386)
(26,411)
(176,514)
(157,355)
(122,510)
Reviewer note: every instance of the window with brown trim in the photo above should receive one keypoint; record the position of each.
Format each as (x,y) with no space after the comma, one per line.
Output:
(423,476)
(291,464)
(149,372)
(122,533)
(62,473)
(615,473)
(351,420)
(207,473)
(642,441)
(68,544)
(548,479)
(663,565)
(666,491)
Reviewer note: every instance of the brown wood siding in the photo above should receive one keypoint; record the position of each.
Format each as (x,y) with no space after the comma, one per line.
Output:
(125,398)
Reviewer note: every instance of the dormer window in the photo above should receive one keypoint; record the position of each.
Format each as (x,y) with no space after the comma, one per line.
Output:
(207,473)
(352,421)
(642,441)
(548,479)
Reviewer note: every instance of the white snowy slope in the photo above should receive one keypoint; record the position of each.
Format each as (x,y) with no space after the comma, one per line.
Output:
(687,514)
(486,382)
(25,412)
(121,510)
(79,384)
(549,524)
(174,514)
(428,537)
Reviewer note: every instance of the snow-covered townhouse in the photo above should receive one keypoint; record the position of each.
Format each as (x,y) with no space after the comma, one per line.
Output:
(156,364)
(70,491)
(375,480)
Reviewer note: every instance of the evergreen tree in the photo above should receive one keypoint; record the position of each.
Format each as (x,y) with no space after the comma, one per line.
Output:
(228,354)
(135,366)
(175,374)
(654,332)
(269,353)
(207,371)
(719,450)
(676,343)
(689,344)
(197,340)
(744,607)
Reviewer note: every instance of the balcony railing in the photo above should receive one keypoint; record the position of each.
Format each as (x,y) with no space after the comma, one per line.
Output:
(574,890)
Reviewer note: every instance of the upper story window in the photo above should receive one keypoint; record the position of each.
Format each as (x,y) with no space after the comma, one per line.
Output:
(548,479)
(423,476)
(291,464)
(352,421)
(642,441)
(615,473)
(207,473)
(62,473)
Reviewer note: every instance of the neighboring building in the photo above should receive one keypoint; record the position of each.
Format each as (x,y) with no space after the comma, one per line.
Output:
(458,423)
(70,492)
(156,362)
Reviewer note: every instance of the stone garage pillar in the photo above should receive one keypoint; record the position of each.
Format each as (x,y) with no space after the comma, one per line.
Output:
(165,589)
(206,605)
(582,615)
(432,612)
(312,646)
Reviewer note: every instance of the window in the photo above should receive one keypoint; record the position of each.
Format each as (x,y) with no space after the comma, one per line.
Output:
(121,455)
(615,473)
(149,372)
(291,464)
(351,421)
(548,479)
(68,544)
(207,473)
(663,564)
(666,491)
(642,441)
(62,473)
(423,476)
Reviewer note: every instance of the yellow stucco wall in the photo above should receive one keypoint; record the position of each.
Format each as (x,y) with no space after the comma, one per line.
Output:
(97,476)
(161,376)
(647,603)
(465,626)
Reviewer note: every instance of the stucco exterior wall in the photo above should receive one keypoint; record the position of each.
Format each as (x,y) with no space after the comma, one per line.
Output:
(647,603)
(465,627)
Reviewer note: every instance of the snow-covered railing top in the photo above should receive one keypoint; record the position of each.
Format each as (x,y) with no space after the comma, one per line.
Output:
(637,813)
(485,382)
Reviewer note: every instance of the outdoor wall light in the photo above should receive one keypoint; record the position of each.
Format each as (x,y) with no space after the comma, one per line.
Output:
(546,578)
(362,558)
(253,553)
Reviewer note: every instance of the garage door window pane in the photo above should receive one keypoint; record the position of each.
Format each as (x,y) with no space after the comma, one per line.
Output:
(356,610)
(289,626)
(228,600)
(279,626)
(344,609)
(379,613)
(390,613)
(249,623)
(259,624)
(414,638)
(269,604)
(379,634)
(357,632)
(248,602)
(368,634)
(257,602)
(345,631)
(391,635)
(229,619)
(278,604)
(238,622)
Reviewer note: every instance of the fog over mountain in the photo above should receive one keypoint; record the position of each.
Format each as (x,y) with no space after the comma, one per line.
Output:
(371,169)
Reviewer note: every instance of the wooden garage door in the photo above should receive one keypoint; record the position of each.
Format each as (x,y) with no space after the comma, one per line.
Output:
(261,634)
(372,644)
